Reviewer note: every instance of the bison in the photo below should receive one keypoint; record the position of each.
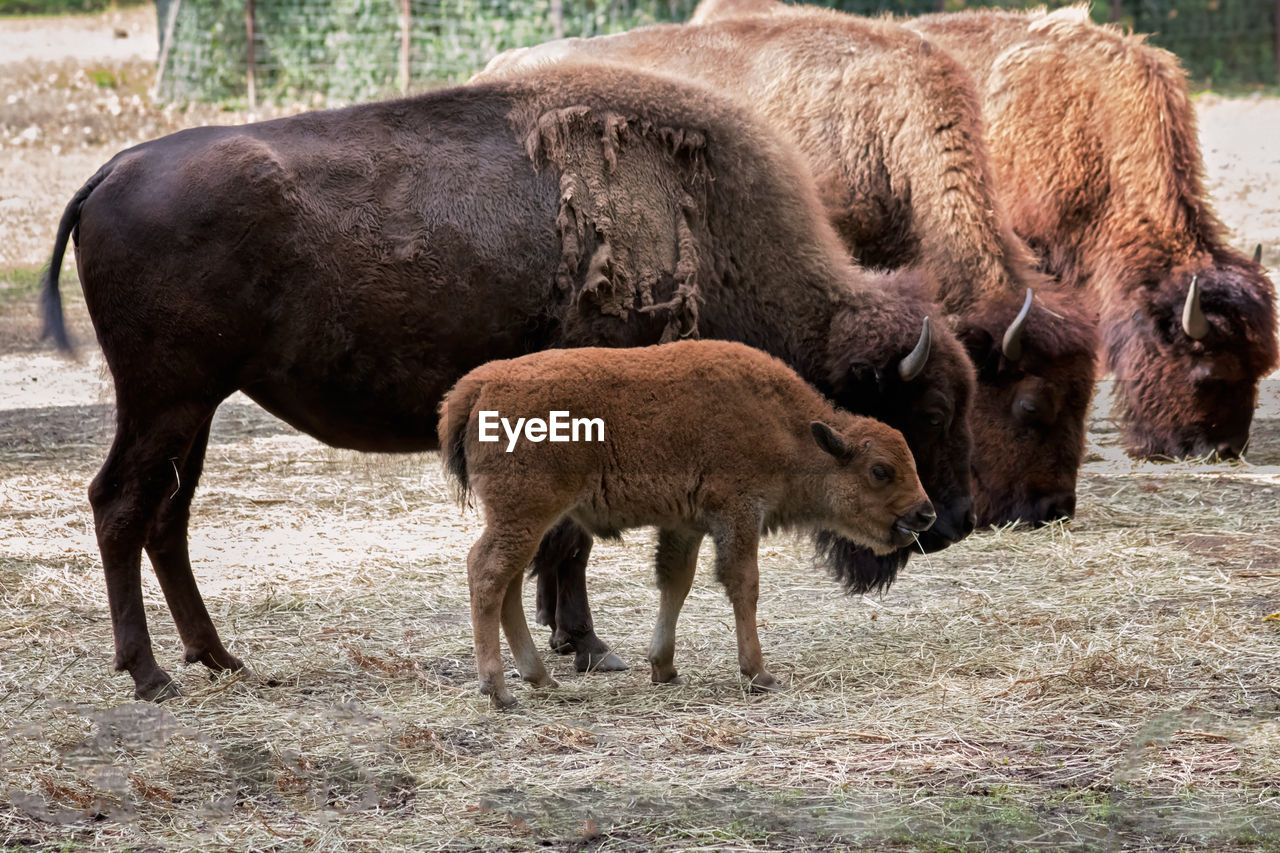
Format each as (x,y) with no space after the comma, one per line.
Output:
(698,438)
(891,128)
(1093,144)
(344,268)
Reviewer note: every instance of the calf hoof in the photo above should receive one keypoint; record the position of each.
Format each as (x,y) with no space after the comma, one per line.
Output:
(502,700)
(606,662)
(664,675)
(158,688)
(764,683)
(542,681)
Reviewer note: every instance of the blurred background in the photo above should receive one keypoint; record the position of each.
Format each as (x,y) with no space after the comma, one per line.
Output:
(351,50)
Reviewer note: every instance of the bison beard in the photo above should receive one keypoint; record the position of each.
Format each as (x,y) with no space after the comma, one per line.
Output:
(849,565)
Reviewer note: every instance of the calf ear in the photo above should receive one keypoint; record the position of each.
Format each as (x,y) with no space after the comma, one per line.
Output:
(830,442)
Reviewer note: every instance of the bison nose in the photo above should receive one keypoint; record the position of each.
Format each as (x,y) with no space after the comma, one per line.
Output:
(919,519)
(1055,507)
(1230,449)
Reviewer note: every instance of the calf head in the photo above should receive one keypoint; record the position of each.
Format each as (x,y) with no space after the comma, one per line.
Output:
(870,485)
(1035,365)
(1187,355)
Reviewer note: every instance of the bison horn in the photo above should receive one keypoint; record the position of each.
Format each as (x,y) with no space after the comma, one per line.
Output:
(1257,254)
(1011,344)
(913,365)
(1193,319)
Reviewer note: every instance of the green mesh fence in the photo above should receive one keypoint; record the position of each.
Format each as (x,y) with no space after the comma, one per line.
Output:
(350,50)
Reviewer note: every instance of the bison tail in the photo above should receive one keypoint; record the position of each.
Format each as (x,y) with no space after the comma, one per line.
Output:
(455,414)
(55,326)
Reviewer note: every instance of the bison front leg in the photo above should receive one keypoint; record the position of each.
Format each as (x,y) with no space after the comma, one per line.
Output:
(561,569)
(497,558)
(677,561)
(168,550)
(737,568)
(126,494)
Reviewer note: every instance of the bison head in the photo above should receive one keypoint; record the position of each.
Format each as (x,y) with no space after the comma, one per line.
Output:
(1187,355)
(915,377)
(1035,367)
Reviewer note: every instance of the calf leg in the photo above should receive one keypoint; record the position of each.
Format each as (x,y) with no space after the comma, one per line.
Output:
(499,556)
(561,569)
(676,561)
(738,569)
(521,642)
(167,549)
(136,477)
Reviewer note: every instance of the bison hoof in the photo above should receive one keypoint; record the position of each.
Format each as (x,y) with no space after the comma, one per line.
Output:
(764,683)
(216,660)
(561,644)
(157,689)
(606,662)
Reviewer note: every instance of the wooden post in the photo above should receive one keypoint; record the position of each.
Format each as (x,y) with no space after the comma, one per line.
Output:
(404,45)
(1117,7)
(250,61)
(557,18)
(167,44)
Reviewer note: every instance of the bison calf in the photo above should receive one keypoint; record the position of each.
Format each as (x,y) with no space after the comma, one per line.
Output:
(700,437)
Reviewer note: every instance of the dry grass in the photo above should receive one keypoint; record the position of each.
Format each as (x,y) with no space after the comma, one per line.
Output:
(1108,683)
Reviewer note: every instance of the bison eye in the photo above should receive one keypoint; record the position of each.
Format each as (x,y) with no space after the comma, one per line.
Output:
(881,473)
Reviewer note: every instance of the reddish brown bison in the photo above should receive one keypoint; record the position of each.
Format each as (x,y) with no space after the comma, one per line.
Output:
(698,438)
(891,128)
(345,268)
(1094,148)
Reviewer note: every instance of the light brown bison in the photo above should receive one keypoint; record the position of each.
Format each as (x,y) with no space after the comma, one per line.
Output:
(344,268)
(890,126)
(1093,144)
(697,438)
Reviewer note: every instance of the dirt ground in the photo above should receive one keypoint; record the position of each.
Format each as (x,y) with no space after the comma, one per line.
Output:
(1104,685)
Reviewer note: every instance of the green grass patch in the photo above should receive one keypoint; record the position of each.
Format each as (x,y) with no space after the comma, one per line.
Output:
(19,285)
(62,7)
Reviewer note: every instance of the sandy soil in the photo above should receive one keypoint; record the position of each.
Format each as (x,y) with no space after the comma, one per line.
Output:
(1108,684)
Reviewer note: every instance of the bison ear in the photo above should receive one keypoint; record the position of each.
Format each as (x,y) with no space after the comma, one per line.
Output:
(862,380)
(830,442)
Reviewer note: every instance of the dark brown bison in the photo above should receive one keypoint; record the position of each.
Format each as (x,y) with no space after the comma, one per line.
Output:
(697,438)
(891,128)
(1093,144)
(345,268)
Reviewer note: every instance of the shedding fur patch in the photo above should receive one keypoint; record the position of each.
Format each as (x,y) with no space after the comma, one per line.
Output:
(632,219)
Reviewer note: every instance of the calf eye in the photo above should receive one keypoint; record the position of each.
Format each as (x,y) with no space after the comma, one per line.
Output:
(881,473)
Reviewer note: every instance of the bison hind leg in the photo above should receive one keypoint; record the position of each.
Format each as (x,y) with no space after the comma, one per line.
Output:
(127,495)
(167,548)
